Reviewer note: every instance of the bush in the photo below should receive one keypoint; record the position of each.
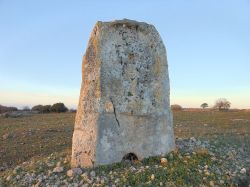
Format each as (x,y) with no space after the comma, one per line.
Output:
(42,108)
(204,105)
(176,107)
(46,109)
(4,109)
(38,108)
(222,104)
(58,107)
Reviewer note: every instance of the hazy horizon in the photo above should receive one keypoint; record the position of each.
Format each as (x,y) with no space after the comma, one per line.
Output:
(42,44)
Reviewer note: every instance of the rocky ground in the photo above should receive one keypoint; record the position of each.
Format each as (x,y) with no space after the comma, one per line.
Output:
(195,162)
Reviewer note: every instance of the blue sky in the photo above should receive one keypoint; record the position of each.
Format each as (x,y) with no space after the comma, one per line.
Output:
(42,44)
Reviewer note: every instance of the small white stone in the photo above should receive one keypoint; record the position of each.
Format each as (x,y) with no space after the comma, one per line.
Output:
(132,168)
(73,172)
(50,164)
(58,169)
(207,173)
(70,173)
(164,161)
(243,171)
(8,178)
(193,139)
(38,184)
(85,176)
(211,183)
(152,177)
(171,156)
(18,168)
(58,164)
(92,173)
(6,136)
(49,172)
(102,181)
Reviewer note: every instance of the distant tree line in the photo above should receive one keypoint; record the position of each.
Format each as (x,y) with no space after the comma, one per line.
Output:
(221,104)
(57,107)
(4,109)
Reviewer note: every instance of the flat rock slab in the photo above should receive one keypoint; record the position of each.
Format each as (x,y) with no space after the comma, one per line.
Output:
(124,100)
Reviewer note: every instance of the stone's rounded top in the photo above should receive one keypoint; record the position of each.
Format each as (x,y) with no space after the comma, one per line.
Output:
(123,23)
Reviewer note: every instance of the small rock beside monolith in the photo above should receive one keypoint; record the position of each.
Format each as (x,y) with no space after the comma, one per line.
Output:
(124,108)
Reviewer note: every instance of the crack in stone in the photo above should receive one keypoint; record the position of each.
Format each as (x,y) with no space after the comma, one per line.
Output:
(117,121)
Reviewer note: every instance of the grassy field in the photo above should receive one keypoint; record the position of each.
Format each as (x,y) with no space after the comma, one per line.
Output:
(37,135)
(42,135)
(211,123)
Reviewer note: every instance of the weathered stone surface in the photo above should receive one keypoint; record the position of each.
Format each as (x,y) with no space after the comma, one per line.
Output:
(124,99)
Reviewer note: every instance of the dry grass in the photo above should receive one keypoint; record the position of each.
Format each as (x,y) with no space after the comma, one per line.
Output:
(37,135)
(211,123)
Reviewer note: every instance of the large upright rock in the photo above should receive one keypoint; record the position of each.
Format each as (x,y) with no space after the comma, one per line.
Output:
(124,102)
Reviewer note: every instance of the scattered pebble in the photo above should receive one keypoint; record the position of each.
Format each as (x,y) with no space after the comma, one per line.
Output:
(193,139)
(6,136)
(207,173)
(58,169)
(92,173)
(211,183)
(164,161)
(243,171)
(55,171)
(74,172)
(58,164)
(8,178)
(152,177)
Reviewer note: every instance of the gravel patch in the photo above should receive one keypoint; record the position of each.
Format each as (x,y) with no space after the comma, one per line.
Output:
(197,162)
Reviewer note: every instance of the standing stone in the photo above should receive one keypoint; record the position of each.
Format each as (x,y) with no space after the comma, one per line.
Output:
(124,105)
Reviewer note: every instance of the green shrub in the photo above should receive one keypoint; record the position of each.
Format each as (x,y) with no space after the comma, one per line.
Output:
(4,109)
(176,107)
(46,109)
(38,108)
(58,107)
